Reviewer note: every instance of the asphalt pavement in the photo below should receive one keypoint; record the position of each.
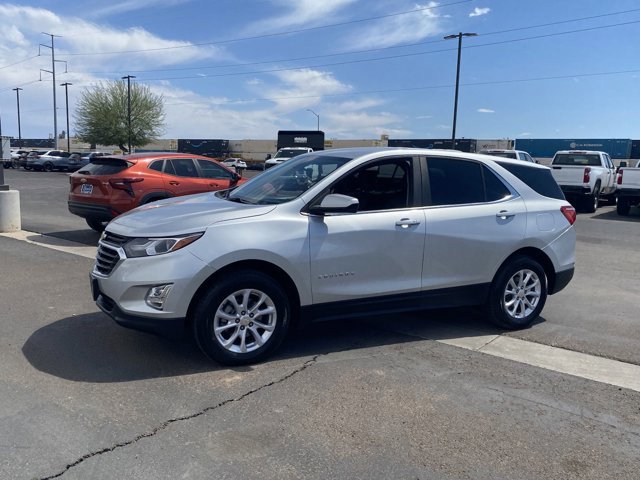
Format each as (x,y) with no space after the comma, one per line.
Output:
(387,397)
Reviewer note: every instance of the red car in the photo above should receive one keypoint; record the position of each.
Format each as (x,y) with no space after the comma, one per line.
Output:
(111,185)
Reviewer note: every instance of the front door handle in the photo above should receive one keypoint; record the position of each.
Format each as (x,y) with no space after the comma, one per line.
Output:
(504,214)
(173,182)
(407,222)
(213,185)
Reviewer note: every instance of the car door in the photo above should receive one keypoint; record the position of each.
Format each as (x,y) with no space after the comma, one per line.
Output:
(182,177)
(216,176)
(474,220)
(610,183)
(378,250)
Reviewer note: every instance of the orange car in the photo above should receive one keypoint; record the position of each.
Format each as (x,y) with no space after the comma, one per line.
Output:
(111,185)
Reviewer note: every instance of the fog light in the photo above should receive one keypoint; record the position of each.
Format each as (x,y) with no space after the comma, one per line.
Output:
(157,295)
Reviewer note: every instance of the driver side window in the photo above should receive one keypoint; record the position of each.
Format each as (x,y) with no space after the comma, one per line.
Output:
(384,185)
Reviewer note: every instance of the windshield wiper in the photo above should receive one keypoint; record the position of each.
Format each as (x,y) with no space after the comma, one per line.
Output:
(240,200)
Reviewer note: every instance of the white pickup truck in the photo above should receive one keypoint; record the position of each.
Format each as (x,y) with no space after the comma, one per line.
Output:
(585,177)
(628,191)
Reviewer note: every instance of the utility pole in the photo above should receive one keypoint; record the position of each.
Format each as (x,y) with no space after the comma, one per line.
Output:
(66,96)
(17,90)
(53,72)
(128,78)
(455,103)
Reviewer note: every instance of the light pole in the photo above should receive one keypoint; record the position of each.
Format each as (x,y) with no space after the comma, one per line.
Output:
(128,78)
(66,96)
(309,110)
(455,102)
(17,90)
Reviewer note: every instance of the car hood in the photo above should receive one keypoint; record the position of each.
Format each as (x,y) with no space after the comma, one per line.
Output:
(179,215)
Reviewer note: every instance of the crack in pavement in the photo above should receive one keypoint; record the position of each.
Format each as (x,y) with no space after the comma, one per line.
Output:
(167,423)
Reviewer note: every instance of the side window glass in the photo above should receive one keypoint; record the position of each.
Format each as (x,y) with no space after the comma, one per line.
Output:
(184,167)
(385,185)
(494,188)
(211,169)
(455,182)
(157,165)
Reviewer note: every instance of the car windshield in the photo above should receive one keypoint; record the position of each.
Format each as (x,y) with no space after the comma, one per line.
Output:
(288,153)
(288,180)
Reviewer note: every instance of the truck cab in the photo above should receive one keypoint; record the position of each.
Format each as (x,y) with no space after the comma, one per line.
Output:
(285,154)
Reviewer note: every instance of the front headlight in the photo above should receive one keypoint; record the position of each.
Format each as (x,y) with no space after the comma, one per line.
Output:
(146,247)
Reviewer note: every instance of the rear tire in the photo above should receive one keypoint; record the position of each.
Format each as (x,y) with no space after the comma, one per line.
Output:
(47,167)
(623,207)
(97,225)
(591,201)
(242,319)
(518,294)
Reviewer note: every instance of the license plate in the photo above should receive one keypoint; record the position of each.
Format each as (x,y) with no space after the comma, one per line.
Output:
(86,188)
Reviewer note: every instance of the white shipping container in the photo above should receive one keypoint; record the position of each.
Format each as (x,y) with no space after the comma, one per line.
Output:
(504,144)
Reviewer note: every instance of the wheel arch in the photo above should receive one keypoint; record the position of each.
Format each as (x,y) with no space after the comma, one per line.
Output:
(153,196)
(261,266)
(537,255)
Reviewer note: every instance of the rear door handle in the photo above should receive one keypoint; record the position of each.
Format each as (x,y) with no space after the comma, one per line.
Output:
(213,185)
(173,182)
(407,222)
(504,214)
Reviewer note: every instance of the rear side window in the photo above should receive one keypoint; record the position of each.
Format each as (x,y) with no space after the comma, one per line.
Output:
(455,182)
(539,179)
(105,166)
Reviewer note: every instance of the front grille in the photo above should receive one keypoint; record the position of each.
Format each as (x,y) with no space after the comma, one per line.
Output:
(114,240)
(108,257)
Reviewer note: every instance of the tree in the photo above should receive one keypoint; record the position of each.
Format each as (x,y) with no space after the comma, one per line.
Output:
(102,115)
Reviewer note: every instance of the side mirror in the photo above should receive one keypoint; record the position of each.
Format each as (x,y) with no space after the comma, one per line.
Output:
(268,157)
(335,203)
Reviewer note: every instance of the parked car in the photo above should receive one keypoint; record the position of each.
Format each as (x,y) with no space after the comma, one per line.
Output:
(111,185)
(628,188)
(236,163)
(514,154)
(585,177)
(32,156)
(15,158)
(49,161)
(285,154)
(337,234)
(75,161)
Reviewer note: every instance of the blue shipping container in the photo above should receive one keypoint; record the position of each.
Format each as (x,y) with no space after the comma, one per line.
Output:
(547,147)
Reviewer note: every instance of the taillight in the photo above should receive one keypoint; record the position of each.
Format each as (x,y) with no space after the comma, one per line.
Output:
(586,177)
(124,184)
(619,180)
(569,213)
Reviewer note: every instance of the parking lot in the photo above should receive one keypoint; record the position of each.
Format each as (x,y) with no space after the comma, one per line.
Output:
(412,396)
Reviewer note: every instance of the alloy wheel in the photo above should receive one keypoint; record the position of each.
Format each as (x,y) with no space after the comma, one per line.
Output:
(522,294)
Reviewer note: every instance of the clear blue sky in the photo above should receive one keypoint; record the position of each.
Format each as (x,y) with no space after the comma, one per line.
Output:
(246,68)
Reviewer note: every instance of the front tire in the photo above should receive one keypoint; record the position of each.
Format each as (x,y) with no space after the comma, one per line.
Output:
(518,294)
(242,319)
(47,167)
(97,225)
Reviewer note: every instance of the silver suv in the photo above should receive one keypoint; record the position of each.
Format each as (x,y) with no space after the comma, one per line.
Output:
(337,234)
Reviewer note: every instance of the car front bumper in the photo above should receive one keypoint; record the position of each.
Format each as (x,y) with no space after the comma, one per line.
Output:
(122,293)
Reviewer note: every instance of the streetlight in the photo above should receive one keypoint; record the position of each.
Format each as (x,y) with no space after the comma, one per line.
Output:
(309,110)
(66,96)
(17,90)
(455,103)
(128,78)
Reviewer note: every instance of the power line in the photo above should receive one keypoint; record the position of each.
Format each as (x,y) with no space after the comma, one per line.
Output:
(425,87)
(389,57)
(19,62)
(370,50)
(277,34)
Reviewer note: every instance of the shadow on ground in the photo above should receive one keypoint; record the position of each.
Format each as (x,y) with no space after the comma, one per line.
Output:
(92,348)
